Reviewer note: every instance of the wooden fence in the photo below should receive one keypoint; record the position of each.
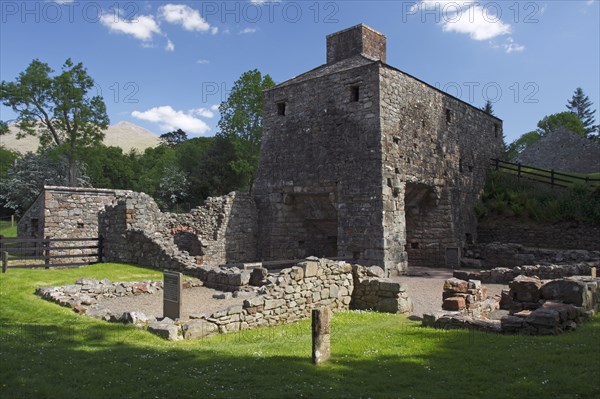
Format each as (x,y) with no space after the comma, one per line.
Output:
(541,175)
(50,252)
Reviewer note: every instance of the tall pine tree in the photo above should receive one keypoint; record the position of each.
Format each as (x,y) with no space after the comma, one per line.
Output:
(581,106)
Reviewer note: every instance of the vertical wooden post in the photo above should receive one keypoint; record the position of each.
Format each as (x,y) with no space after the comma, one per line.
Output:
(497,163)
(4,261)
(593,272)
(12,220)
(100,248)
(321,339)
(46,246)
(519,170)
(552,177)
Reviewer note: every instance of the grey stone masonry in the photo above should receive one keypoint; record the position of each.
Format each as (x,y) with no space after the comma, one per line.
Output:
(362,161)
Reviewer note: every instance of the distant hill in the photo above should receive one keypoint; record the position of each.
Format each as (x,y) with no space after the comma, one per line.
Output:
(562,150)
(122,134)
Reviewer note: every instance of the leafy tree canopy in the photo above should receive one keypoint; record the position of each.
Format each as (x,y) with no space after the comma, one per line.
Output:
(568,120)
(581,106)
(241,122)
(26,179)
(59,109)
(173,138)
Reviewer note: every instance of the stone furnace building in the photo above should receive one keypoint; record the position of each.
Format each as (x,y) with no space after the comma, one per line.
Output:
(363,161)
(358,161)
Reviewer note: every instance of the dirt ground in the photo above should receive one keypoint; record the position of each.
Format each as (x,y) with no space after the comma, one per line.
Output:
(424,286)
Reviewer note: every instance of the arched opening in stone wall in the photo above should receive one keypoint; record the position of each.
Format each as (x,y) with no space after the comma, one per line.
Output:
(423,220)
(188,241)
(319,223)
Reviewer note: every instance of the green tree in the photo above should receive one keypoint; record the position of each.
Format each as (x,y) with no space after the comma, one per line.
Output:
(581,106)
(568,120)
(173,138)
(173,186)
(26,179)
(109,167)
(517,146)
(487,108)
(7,160)
(241,122)
(58,109)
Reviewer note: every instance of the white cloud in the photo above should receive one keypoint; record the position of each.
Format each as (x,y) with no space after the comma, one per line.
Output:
(169,119)
(466,17)
(203,62)
(142,27)
(189,18)
(62,1)
(589,2)
(476,23)
(170,46)
(246,31)
(204,112)
(214,107)
(511,47)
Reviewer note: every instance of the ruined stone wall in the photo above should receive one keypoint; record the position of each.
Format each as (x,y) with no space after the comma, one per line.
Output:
(31,224)
(136,231)
(222,230)
(557,236)
(65,212)
(318,182)
(435,152)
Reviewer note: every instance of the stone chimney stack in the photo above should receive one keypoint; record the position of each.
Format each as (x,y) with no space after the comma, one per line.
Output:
(359,39)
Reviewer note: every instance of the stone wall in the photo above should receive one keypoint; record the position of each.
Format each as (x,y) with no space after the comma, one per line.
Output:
(222,230)
(318,187)
(373,292)
(436,149)
(285,297)
(504,275)
(562,150)
(557,236)
(488,256)
(66,212)
(549,307)
(362,161)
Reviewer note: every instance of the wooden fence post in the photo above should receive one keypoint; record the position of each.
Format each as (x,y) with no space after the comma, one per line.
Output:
(46,246)
(4,261)
(552,177)
(100,249)
(519,170)
(497,163)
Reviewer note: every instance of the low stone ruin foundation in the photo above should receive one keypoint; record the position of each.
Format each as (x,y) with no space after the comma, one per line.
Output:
(281,298)
(535,306)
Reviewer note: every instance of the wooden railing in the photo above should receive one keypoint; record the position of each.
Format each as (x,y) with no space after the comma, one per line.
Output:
(50,252)
(541,175)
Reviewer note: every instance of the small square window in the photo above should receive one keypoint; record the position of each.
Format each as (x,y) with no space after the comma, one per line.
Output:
(448,116)
(354,93)
(281,109)
(80,225)
(496,130)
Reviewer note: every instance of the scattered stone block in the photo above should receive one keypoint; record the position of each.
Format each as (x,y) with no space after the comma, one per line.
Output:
(454,303)
(197,329)
(525,289)
(165,329)
(456,286)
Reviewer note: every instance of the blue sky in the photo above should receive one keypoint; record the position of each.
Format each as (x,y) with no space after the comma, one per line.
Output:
(167,65)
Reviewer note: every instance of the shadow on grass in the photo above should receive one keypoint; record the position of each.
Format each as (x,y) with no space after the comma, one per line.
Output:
(98,360)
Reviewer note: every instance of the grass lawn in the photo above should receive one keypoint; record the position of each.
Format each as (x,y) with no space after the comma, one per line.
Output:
(6,230)
(50,352)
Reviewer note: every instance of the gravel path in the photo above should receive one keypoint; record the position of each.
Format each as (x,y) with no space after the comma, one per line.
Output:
(425,285)
(196,300)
